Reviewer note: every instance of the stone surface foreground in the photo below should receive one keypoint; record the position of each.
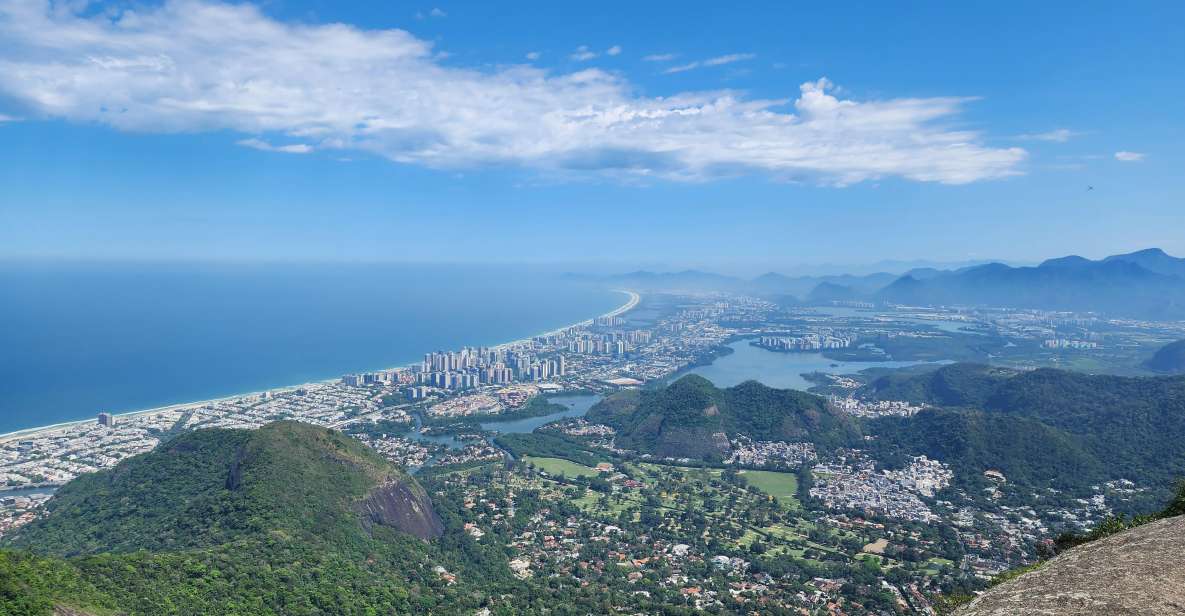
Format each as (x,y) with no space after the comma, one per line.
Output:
(1139,571)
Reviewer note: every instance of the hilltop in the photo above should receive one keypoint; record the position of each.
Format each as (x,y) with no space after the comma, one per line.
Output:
(1147,283)
(1043,427)
(220,521)
(1169,359)
(693,418)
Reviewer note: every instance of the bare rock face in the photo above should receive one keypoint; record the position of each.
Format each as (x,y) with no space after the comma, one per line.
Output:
(402,505)
(1139,571)
(60,610)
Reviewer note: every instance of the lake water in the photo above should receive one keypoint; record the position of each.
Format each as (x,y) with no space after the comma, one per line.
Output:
(27,491)
(76,339)
(578,405)
(777,369)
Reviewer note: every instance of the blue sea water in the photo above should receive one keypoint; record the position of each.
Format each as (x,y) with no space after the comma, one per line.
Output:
(76,338)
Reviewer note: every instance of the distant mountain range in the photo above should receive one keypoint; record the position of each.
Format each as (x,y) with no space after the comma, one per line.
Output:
(1146,284)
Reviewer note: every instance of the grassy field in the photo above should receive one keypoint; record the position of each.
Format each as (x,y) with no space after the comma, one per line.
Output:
(558,466)
(782,486)
(936,565)
(681,489)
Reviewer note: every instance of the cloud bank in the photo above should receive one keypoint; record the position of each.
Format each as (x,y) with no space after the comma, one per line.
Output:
(196,65)
(1129,157)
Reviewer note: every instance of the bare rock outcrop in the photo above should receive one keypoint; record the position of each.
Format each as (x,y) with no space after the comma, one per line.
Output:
(402,505)
(1138,571)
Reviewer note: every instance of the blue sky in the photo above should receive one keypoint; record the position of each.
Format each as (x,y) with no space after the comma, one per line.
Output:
(659,134)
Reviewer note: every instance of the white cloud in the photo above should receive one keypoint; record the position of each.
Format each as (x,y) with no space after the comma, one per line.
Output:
(1129,157)
(534,55)
(1058,135)
(583,54)
(682,68)
(194,65)
(6,118)
(660,57)
(435,12)
(259,144)
(717,61)
(729,59)
(613,51)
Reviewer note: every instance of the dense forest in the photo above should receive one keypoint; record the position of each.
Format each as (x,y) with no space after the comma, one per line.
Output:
(693,418)
(270,521)
(1044,427)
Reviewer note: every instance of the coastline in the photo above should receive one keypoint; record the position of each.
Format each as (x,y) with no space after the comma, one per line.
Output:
(633,299)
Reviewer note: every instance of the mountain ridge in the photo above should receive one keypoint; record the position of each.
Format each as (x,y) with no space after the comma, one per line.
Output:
(1147,283)
(693,418)
(288,519)
(1120,284)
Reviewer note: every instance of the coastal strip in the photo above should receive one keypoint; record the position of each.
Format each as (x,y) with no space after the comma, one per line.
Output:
(632,301)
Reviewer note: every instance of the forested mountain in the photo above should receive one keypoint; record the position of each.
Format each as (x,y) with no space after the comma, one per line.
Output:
(961,384)
(1153,260)
(1048,427)
(290,518)
(1169,359)
(693,418)
(1042,428)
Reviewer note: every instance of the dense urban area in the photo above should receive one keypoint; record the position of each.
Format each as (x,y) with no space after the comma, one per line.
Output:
(772,524)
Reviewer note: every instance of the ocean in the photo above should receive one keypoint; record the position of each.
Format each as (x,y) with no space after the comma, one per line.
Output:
(76,338)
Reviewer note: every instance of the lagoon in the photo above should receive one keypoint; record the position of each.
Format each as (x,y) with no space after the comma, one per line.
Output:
(577,405)
(778,369)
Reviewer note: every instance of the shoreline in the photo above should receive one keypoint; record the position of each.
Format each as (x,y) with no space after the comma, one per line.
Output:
(632,301)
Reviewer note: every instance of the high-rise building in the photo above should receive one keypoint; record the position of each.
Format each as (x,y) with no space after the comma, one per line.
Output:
(106,419)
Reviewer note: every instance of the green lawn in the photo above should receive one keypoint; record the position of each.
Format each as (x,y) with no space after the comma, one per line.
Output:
(782,486)
(559,466)
(935,565)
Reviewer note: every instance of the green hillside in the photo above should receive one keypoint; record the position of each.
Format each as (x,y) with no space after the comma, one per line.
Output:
(954,385)
(1045,427)
(693,418)
(1169,359)
(287,519)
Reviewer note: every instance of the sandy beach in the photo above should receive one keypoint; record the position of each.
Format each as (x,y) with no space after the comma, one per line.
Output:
(632,301)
